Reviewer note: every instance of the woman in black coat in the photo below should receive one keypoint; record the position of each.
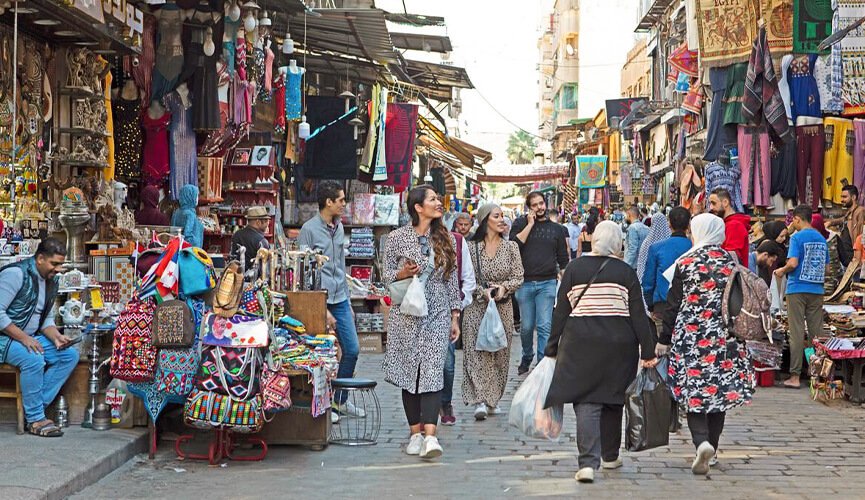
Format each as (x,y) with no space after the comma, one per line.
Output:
(597,340)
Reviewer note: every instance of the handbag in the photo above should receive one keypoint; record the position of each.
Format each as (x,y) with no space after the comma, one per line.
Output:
(133,356)
(172,325)
(397,289)
(236,331)
(207,410)
(176,370)
(231,371)
(275,390)
(255,299)
(196,271)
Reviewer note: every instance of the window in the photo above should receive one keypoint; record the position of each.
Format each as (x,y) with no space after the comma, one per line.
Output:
(568,96)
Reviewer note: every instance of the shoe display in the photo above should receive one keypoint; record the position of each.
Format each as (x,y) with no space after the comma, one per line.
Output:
(585,475)
(481,412)
(615,464)
(431,448)
(348,409)
(447,415)
(705,452)
(415,443)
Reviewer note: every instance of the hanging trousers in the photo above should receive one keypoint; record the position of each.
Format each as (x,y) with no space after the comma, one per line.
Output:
(838,160)
(859,158)
(810,148)
(755,162)
(706,427)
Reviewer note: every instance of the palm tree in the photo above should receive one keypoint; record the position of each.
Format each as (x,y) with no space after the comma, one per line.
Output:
(521,148)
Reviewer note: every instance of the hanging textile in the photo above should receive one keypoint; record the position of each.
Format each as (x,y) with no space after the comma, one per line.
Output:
(399,137)
(852,57)
(684,60)
(726,31)
(762,99)
(779,29)
(812,22)
(379,171)
(331,153)
(592,171)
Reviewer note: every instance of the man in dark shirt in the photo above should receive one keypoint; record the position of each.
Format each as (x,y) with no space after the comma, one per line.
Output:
(252,236)
(543,247)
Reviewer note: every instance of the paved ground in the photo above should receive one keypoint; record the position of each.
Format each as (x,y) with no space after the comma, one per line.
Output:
(782,446)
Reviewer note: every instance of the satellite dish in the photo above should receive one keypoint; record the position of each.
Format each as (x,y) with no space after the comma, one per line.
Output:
(569,49)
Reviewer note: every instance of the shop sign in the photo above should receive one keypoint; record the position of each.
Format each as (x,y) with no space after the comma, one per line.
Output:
(619,108)
(120,10)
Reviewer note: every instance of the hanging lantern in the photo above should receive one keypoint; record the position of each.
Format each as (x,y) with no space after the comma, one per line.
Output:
(348,96)
(234,11)
(288,44)
(303,128)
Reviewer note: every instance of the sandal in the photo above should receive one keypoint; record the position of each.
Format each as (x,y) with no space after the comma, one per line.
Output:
(47,429)
(226,300)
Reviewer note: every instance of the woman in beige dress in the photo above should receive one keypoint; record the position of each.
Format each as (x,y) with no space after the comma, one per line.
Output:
(499,271)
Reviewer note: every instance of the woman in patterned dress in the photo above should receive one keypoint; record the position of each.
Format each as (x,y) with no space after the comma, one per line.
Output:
(416,346)
(709,369)
(499,272)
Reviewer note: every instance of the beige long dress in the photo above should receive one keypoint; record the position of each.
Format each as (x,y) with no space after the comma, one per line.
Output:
(486,373)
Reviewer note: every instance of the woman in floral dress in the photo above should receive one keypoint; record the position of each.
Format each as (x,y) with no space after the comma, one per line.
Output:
(709,369)
(499,272)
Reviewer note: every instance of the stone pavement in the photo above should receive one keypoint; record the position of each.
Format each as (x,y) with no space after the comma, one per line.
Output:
(782,446)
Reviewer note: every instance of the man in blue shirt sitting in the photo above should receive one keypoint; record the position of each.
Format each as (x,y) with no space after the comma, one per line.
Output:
(661,256)
(28,337)
(806,266)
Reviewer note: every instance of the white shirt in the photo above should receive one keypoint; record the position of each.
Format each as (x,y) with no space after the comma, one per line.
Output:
(467,276)
(574,231)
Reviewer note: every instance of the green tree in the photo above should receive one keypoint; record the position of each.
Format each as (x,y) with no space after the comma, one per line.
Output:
(521,148)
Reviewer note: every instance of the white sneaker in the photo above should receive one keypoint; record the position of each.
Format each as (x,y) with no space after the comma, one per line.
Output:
(334,417)
(585,475)
(714,460)
(705,452)
(349,409)
(431,448)
(481,412)
(494,410)
(615,464)
(414,444)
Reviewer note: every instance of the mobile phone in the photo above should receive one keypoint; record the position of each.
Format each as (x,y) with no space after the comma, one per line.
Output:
(76,340)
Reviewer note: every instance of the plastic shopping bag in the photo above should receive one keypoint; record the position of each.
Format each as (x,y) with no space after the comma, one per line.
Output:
(414,302)
(527,410)
(647,412)
(491,335)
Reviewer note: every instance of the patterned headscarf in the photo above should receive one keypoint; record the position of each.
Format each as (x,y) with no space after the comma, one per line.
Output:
(658,231)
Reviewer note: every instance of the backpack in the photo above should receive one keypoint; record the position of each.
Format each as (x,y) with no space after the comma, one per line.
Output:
(745,306)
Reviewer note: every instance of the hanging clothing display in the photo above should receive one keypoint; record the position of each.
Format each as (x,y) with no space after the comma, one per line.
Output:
(812,22)
(155,166)
(804,96)
(838,160)
(108,172)
(169,54)
(726,30)
(128,138)
(755,165)
(762,99)
(859,158)
(379,169)
(200,70)
(331,153)
(400,138)
(293,96)
(784,169)
(718,134)
(718,175)
(182,151)
(143,72)
(279,97)
(810,149)
(733,95)
(784,86)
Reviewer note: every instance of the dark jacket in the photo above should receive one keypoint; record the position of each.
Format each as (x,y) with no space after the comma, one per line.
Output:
(149,213)
(21,308)
(597,344)
(545,247)
(661,256)
(250,239)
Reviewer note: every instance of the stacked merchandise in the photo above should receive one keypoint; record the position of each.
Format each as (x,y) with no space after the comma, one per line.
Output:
(361,243)
(369,322)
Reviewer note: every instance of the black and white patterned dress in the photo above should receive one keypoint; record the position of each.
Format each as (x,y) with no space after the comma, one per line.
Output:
(416,347)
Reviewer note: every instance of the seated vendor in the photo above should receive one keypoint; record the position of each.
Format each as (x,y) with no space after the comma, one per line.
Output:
(252,237)
(29,339)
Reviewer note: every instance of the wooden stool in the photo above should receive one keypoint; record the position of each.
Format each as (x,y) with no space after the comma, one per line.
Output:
(7,393)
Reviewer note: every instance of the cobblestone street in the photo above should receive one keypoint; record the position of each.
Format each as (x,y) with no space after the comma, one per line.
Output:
(782,446)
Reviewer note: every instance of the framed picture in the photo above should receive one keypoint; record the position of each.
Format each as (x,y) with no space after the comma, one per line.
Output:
(261,155)
(241,156)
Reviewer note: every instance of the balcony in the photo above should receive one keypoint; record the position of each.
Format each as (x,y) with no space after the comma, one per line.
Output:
(652,15)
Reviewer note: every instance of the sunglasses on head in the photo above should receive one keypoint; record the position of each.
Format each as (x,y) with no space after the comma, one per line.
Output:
(424,245)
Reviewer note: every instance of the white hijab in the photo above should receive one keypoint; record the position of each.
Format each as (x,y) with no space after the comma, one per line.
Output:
(607,239)
(706,229)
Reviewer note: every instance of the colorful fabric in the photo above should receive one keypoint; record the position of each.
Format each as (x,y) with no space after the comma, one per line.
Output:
(779,24)
(726,31)
(734,94)
(852,56)
(812,22)
(592,171)
(230,371)
(684,60)
(208,410)
(762,99)
(237,331)
(755,163)
(838,159)
(400,138)
(717,175)
(804,94)
(836,62)
(133,357)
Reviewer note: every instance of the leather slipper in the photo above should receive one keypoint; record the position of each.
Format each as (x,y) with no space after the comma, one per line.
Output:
(226,300)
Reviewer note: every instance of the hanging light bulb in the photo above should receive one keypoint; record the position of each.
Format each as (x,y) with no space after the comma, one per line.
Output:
(234,11)
(428,177)
(265,19)
(249,22)
(303,128)
(209,47)
(288,44)
(348,96)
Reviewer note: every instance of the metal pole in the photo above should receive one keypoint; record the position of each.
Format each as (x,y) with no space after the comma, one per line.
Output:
(14,108)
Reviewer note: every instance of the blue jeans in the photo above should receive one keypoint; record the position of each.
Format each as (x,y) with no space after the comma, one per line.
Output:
(347,335)
(536,300)
(39,386)
(450,363)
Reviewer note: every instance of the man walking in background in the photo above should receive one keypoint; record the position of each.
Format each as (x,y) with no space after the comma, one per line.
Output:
(735,224)
(543,247)
(662,255)
(574,229)
(637,232)
(462,224)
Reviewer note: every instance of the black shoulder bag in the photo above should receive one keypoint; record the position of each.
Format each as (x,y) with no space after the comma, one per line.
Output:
(591,281)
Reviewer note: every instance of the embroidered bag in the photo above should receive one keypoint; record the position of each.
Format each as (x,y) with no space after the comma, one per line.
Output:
(207,410)
(255,299)
(176,370)
(196,271)
(172,325)
(133,357)
(232,371)
(275,390)
(236,331)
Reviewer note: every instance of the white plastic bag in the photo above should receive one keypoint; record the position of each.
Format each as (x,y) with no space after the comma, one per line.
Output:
(491,335)
(527,410)
(414,302)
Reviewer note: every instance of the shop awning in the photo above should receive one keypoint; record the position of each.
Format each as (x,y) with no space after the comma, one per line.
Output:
(427,43)
(450,150)
(359,34)
(418,20)
(437,81)
(524,173)
(652,15)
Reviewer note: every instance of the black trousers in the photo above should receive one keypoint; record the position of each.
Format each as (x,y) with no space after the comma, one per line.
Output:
(706,427)
(422,408)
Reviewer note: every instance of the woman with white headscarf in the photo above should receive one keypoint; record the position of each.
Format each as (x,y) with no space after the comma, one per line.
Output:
(600,331)
(709,369)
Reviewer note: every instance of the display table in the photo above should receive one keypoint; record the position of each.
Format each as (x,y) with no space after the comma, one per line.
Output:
(852,364)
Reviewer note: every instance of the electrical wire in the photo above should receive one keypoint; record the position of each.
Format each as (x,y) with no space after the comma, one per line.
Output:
(505,118)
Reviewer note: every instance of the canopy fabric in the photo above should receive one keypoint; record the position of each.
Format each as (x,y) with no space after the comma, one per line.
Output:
(451,151)
(524,173)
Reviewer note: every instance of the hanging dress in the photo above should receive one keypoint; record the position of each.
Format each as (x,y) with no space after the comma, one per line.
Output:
(293,98)
(128,138)
(181,147)
(200,72)
(155,164)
